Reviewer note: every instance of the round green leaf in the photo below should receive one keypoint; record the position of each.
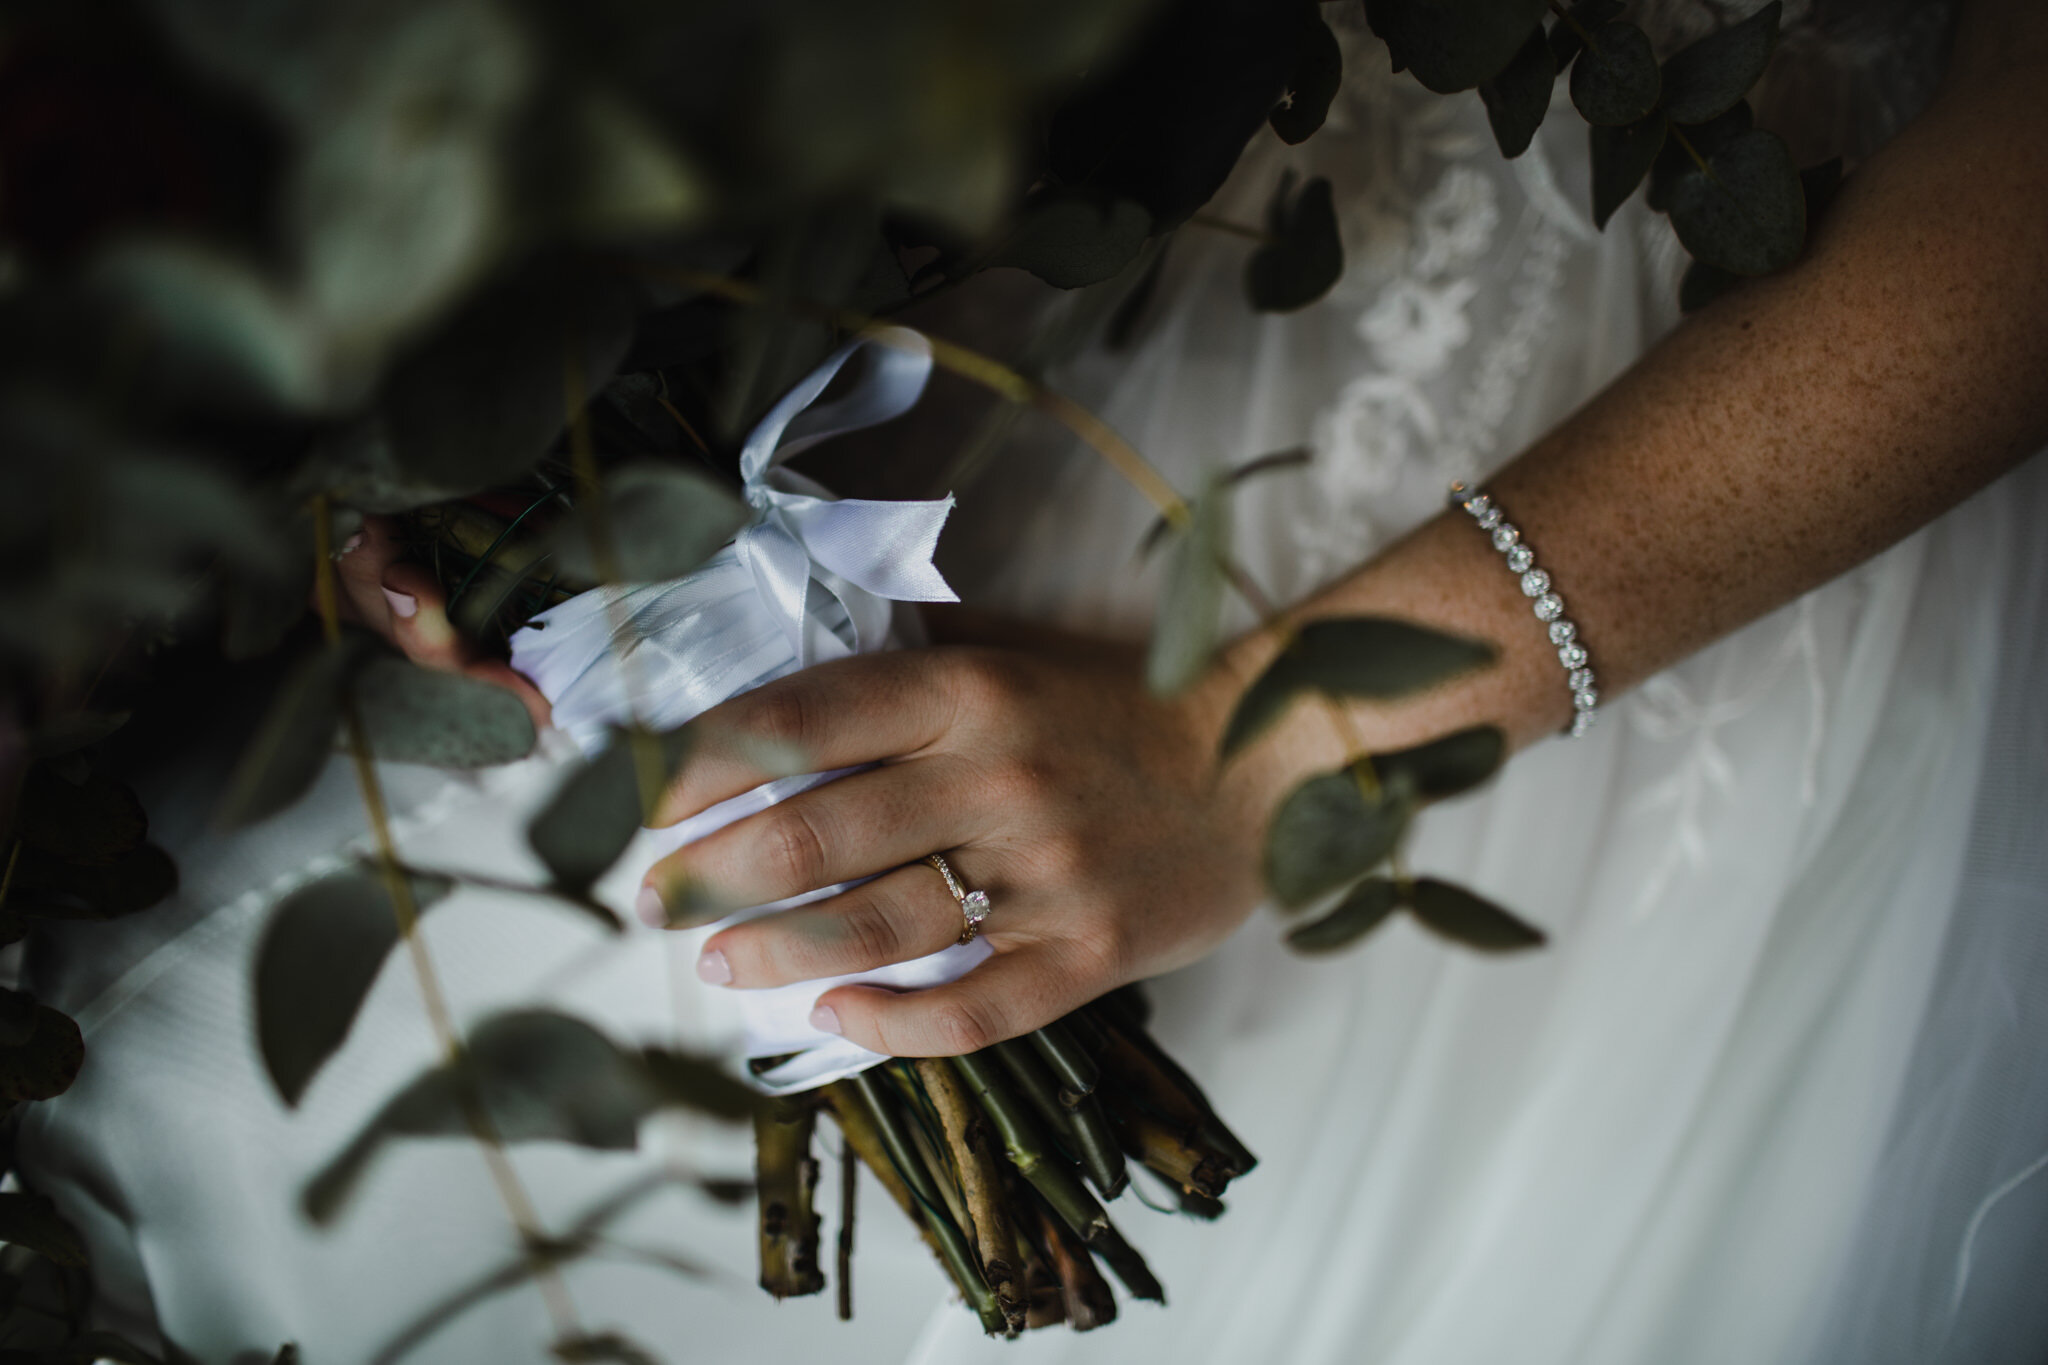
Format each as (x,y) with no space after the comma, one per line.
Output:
(1708,77)
(30,1220)
(48,889)
(1469,919)
(91,823)
(1306,254)
(1317,74)
(1621,158)
(1074,240)
(1357,915)
(1453,45)
(419,715)
(1616,80)
(1327,832)
(600,806)
(296,736)
(319,955)
(46,1061)
(1584,16)
(1445,767)
(1706,139)
(661,520)
(1747,212)
(1518,98)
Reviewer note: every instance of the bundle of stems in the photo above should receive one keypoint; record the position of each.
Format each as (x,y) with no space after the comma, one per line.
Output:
(1002,1159)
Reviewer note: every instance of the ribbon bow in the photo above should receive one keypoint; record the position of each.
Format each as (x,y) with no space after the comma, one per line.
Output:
(860,552)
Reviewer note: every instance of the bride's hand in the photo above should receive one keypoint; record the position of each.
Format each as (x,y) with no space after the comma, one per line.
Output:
(1090,811)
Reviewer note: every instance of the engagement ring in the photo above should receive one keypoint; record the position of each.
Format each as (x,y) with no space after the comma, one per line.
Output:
(973,904)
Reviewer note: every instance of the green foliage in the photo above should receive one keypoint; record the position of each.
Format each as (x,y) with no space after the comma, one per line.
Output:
(1616,80)
(661,521)
(40,1049)
(1073,240)
(603,803)
(1189,619)
(1463,917)
(1621,158)
(1453,45)
(421,715)
(1362,910)
(1709,77)
(1445,767)
(535,1075)
(320,953)
(293,741)
(1519,96)
(1567,35)
(29,1220)
(1304,254)
(1373,658)
(1317,75)
(1331,830)
(1745,210)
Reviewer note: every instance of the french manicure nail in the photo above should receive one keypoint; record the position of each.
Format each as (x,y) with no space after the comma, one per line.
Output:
(647,905)
(354,542)
(402,603)
(825,1019)
(713,967)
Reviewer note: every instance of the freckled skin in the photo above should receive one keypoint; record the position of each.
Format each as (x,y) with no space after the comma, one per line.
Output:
(1783,435)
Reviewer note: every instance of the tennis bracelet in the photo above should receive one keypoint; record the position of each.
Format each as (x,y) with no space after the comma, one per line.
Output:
(1549,607)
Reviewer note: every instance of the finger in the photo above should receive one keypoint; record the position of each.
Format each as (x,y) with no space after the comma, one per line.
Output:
(1005,997)
(360,572)
(862,824)
(898,917)
(419,616)
(836,715)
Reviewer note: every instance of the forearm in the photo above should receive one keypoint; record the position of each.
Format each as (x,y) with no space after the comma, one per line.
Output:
(1776,439)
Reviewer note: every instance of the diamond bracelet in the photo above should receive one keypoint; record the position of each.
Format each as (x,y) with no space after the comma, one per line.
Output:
(1549,607)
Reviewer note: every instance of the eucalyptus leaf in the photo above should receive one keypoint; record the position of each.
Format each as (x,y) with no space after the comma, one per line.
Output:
(1518,98)
(1361,911)
(1445,767)
(47,888)
(661,521)
(1074,240)
(320,953)
(1470,919)
(419,715)
(46,1061)
(539,1076)
(1705,139)
(1453,45)
(1586,15)
(1377,658)
(1306,254)
(599,807)
(1616,80)
(1621,158)
(30,1220)
(1329,832)
(1702,284)
(79,730)
(90,823)
(1746,213)
(1708,77)
(1190,615)
(696,1083)
(296,736)
(1317,73)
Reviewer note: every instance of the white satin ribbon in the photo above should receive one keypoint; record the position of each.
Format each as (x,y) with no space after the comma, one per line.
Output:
(809,578)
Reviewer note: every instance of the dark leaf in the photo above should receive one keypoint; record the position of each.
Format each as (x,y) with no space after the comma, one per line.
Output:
(607,1347)
(1706,78)
(1453,45)
(91,823)
(1519,97)
(1358,914)
(319,955)
(1819,183)
(48,889)
(287,1354)
(1328,832)
(1616,81)
(1190,615)
(1073,240)
(688,1082)
(662,520)
(1621,158)
(1468,919)
(31,1221)
(419,715)
(540,1076)
(482,398)
(95,1347)
(602,804)
(1317,73)
(1306,255)
(1565,42)
(46,1061)
(296,736)
(1445,767)
(1703,284)
(1373,657)
(1747,212)
(81,729)
(1706,139)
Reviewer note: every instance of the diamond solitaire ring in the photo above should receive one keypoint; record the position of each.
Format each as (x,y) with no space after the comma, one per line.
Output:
(973,904)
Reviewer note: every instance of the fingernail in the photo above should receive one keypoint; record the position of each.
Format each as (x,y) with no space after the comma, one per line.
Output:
(354,542)
(402,603)
(825,1019)
(713,967)
(647,905)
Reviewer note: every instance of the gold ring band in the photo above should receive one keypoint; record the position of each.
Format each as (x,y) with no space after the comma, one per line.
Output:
(974,906)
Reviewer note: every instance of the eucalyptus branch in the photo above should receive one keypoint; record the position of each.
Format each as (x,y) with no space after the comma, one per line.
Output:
(1215,224)
(554,1290)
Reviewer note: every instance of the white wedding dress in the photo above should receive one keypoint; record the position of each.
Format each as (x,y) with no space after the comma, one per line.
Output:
(1777,1091)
